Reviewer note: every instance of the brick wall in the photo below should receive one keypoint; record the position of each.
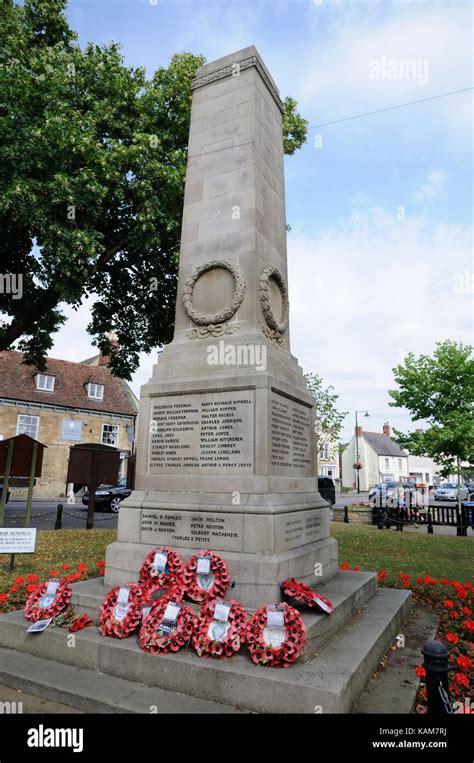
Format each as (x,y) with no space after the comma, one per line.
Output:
(53,480)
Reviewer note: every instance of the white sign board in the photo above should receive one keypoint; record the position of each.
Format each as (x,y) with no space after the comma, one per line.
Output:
(17,540)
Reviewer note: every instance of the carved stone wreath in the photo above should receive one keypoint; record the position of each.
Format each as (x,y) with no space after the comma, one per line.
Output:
(264,292)
(203,319)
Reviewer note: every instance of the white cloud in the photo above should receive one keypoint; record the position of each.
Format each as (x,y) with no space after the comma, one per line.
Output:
(369,291)
(431,189)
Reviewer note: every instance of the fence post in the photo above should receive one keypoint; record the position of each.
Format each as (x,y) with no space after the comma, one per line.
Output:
(430,522)
(59,517)
(380,517)
(437,685)
(346,515)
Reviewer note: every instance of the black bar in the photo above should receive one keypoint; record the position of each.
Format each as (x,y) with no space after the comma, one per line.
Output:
(59,517)
(437,685)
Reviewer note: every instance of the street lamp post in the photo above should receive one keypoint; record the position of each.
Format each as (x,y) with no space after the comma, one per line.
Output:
(366,413)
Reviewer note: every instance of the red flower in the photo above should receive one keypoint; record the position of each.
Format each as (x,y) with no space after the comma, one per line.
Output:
(20,581)
(100,564)
(445,581)
(420,581)
(53,573)
(382,575)
(461,679)
(403,576)
(82,567)
(420,671)
(345,566)
(469,625)
(32,578)
(453,615)
(79,623)
(65,566)
(448,603)
(14,589)
(102,573)
(3,597)
(464,662)
(452,638)
(466,611)
(30,588)
(356,569)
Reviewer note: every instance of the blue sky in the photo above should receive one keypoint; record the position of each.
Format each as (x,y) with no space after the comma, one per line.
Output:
(380,251)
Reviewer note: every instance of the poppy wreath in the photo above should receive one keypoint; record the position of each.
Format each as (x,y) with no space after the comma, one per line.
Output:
(295,589)
(151,640)
(226,642)
(109,625)
(218,582)
(288,651)
(174,564)
(32,609)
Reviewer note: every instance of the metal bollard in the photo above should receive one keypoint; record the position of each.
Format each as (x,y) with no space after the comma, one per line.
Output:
(59,517)
(437,685)
(346,515)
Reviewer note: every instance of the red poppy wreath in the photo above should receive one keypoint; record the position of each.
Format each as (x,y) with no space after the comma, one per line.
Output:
(121,611)
(275,635)
(295,589)
(206,577)
(167,627)
(48,600)
(163,568)
(219,629)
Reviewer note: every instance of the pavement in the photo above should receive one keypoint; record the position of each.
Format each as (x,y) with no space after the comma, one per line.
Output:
(14,701)
(44,515)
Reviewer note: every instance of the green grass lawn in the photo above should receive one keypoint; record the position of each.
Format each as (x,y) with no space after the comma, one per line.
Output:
(440,556)
(366,547)
(55,547)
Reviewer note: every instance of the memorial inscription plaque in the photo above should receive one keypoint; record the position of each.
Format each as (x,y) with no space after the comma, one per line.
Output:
(290,436)
(209,433)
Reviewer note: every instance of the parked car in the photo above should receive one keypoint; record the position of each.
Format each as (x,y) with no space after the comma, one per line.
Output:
(449,492)
(390,491)
(327,490)
(109,497)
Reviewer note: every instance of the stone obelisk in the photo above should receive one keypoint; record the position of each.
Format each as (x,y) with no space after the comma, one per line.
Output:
(225,446)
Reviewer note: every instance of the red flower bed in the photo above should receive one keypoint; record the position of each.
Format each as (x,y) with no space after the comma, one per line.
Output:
(44,603)
(219,629)
(121,618)
(204,586)
(454,603)
(160,635)
(277,647)
(295,589)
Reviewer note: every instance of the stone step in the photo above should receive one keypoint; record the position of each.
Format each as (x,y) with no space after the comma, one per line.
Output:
(348,591)
(332,681)
(94,692)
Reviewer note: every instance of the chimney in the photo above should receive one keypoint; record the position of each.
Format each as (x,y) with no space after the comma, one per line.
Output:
(386,429)
(113,340)
(358,431)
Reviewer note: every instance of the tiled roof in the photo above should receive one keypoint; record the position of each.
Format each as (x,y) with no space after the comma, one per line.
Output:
(383,445)
(17,382)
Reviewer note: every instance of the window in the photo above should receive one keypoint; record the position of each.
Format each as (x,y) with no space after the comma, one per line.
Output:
(28,425)
(95,391)
(399,463)
(110,434)
(387,463)
(45,382)
(427,476)
(324,452)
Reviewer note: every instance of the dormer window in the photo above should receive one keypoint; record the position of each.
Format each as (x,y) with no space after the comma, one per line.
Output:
(45,382)
(95,391)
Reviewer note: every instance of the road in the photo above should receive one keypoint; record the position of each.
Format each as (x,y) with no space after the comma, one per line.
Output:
(44,516)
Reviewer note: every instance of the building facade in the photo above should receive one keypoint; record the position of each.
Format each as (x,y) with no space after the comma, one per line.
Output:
(69,403)
(380,457)
(328,457)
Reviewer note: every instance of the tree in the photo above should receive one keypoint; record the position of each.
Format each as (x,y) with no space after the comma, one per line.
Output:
(92,169)
(328,419)
(440,391)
